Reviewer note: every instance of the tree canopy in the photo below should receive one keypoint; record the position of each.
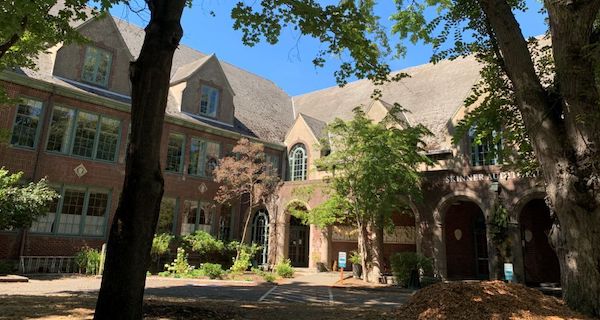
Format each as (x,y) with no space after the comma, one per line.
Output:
(21,204)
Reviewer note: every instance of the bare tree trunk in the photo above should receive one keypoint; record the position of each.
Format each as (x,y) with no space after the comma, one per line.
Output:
(565,133)
(130,239)
(363,249)
(375,235)
(246,223)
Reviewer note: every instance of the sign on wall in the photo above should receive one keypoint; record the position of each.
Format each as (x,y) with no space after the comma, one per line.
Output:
(401,235)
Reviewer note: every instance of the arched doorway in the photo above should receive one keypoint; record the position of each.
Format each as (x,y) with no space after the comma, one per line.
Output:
(298,243)
(466,242)
(539,259)
(260,234)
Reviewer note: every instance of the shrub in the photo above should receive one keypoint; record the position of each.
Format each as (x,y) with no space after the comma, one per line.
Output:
(267,276)
(284,269)
(180,266)
(355,257)
(7,267)
(160,244)
(88,261)
(202,242)
(244,261)
(213,270)
(404,263)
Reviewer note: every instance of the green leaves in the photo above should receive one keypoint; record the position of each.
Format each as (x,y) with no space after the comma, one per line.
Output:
(372,168)
(21,205)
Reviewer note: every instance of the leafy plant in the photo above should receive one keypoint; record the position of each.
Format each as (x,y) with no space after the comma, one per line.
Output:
(160,244)
(404,263)
(355,257)
(212,270)
(267,276)
(180,266)
(203,242)
(244,259)
(88,261)
(284,269)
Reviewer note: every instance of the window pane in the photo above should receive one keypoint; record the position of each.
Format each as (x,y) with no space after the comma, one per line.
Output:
(96,66)
(225,223)
(60,129)
(45,224)
(108,139)
(95,215)
(212,158)
(197,152)
(85,134)
(206,215)
(209,101)
(72,209)
(175,153)
(298,163)
(190,210)
(26,123)
(168,207)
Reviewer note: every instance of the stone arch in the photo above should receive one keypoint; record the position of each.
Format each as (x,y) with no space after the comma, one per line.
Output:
(297,240)
(439,233)
(519,203)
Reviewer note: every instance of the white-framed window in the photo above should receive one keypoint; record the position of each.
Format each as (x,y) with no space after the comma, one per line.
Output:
(83,134)
(486,152)
(204,157)
(96,66)
(197,215)
(79,211)
(298,163)
(26,128)
(209,101)
(175,152)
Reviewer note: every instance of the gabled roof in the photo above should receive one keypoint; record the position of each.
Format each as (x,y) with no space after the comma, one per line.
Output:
(431,95)
(315,125)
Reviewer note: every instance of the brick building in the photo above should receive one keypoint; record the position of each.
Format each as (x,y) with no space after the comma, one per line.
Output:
(72,127)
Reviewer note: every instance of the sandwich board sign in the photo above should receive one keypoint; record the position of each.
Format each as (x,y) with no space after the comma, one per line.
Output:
(342,259)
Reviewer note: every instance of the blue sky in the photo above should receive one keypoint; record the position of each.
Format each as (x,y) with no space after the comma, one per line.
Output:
(288,63)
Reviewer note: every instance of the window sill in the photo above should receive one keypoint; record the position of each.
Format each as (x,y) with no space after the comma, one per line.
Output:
(55,153)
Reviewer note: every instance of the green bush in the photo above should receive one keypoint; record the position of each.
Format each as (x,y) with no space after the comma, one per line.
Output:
(202,242)
(160,244)
(355,257)
(403,263)
(88,261)
(213,270)
(7,267)
(284,269)
(180,266)
(267,276)
(244,261)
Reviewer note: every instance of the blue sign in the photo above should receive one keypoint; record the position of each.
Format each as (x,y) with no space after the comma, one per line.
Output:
(508,272)
(342,259)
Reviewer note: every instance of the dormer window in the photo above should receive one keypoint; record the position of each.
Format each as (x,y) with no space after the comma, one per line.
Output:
(209,101)
(96,66)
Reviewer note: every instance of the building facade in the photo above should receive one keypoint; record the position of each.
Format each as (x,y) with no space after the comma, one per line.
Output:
(72,127)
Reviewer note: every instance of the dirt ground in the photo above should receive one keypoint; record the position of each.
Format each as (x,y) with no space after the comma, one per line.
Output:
(81,307)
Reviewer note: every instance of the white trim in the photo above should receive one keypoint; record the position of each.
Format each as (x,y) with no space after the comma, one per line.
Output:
(294,109)
(199,117)
(92,87)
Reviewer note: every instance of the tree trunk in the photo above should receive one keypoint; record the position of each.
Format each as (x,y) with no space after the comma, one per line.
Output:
(246,223)
(565,133)
(376,240)
(363,249)
(130,238)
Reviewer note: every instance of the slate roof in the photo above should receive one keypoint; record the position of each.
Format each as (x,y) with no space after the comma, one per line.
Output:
(431,95)
(315,125)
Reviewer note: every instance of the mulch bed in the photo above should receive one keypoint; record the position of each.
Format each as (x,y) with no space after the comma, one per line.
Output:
(494,300)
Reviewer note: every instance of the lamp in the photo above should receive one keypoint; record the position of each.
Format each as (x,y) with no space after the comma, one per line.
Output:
(495,186)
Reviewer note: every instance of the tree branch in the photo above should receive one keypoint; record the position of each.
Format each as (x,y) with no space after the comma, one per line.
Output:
(4,47)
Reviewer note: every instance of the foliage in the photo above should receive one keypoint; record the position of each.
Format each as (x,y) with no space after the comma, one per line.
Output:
(246,173)
(203,242)
(355,257)
(267,276)
(284,269)
(22,204)
(212,270)
(180,266)
(7,267)
(31,27)
(403,263)
(160,244)
(244,259)
(88,261)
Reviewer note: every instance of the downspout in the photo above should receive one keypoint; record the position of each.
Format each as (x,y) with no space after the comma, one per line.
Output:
(38,151)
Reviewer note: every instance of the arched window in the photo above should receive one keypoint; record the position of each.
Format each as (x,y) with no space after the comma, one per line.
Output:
(485,152)
(298,163)
(260,234)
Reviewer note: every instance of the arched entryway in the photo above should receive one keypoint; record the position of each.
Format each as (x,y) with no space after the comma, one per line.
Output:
(298,243)
(466,241)
(539,259)
(260,234)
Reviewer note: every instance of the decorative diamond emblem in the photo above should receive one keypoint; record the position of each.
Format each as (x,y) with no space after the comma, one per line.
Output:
(202,188)
(80,170)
